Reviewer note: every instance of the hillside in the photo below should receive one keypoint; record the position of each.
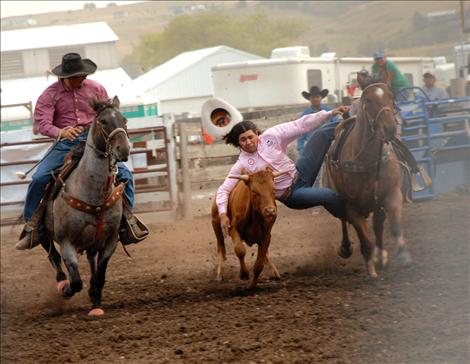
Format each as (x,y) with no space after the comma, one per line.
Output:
(347,28)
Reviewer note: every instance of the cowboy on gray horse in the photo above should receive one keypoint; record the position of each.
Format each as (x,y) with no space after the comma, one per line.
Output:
(63,112)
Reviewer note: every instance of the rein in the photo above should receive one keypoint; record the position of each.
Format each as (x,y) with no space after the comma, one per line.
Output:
(110,195)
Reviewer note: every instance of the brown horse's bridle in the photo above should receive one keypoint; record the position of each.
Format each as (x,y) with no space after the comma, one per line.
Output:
(354,165)
(372,122)
(373,128)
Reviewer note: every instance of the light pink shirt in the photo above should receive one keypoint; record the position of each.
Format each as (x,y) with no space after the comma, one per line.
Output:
(58,107)
(272,151)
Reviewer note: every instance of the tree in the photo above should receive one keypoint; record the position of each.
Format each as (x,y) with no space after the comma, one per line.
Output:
(89,6)
(257,34)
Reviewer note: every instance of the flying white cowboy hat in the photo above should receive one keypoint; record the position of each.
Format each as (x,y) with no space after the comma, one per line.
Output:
(218,117)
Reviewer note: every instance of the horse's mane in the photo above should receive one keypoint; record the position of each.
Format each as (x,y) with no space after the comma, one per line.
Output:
(344,124)
(98,106)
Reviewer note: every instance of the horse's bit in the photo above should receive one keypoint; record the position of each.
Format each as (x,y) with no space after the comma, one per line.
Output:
(373,124)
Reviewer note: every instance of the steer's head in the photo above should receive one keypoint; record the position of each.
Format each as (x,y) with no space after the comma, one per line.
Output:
(262,196)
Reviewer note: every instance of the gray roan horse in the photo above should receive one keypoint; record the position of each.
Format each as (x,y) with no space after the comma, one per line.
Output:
(363,168)
(86,214)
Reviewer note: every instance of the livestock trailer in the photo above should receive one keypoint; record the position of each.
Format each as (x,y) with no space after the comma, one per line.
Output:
(280,81)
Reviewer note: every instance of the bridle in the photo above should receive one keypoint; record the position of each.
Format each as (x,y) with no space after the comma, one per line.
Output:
(355,165)
(108,137)
(110,195)
(372,122)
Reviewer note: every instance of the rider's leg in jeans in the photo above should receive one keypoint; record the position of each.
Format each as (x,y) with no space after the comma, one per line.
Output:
(43,175)
(125,175)
(303,195)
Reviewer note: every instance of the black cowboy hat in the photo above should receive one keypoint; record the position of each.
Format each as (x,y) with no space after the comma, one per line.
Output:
(73,65)
(314,91)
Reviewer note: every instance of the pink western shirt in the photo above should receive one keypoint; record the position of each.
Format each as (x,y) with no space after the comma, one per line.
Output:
(58,107)
(272,151)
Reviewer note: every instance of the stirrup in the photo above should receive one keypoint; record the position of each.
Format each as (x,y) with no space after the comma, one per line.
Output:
(29,238)
(134,230)
(426,179)
(415,186)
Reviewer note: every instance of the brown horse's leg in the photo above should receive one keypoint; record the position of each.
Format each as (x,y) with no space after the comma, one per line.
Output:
(240,251)
(394,206)
(220,248)
(367,246)
(260,260)
(345,250)
(378,223)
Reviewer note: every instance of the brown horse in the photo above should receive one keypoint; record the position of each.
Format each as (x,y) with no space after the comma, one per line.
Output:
(362,167)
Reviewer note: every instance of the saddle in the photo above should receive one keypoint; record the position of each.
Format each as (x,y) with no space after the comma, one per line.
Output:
(71,161)
(407,162)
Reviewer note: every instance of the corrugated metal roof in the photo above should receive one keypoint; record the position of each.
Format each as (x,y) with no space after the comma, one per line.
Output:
(179,63)
(56,36)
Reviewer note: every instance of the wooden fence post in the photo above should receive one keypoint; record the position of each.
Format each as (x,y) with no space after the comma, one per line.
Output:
(185,171)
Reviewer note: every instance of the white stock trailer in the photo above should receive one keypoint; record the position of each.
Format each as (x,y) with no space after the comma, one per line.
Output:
(278,82)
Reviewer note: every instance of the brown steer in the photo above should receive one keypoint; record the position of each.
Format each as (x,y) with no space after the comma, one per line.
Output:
(252,212)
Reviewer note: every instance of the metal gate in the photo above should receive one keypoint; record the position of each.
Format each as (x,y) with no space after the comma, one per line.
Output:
(438,135)
(152,162)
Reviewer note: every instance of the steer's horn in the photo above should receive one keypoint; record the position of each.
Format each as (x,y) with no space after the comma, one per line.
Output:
(243,177)
(279,173)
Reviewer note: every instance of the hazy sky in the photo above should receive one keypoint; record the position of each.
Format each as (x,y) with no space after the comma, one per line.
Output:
(12,8)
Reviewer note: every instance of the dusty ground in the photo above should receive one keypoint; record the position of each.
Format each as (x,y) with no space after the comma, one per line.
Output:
(163,306)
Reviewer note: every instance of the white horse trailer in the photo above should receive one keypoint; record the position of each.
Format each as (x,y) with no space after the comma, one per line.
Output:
(271,82)
(279,82)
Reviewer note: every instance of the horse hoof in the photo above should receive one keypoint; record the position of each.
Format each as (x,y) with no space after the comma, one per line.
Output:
(403,257)
(244,276)
(61,286)
(219,278)
(345,252)
(371,277)
(96,312)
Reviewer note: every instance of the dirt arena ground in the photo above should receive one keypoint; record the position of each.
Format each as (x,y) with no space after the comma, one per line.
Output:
(163,305)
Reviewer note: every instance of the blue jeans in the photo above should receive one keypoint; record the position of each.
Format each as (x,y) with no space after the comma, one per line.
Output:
(303,195)
(54,161)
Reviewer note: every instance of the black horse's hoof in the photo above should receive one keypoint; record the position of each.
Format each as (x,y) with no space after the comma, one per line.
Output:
(345,252)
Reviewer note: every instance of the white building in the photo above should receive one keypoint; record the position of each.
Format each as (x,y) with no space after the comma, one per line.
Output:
(28,55)
(183,83)
(31,52)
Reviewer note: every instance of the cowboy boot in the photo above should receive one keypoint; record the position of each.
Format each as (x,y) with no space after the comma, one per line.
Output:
(29,238)
(132,230)
(33,229)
